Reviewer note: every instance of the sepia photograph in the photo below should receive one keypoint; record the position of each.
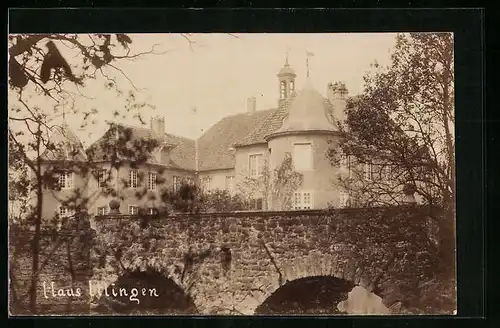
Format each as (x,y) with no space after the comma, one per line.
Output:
(215,174)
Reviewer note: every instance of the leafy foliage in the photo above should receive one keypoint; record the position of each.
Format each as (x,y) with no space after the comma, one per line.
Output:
(278,184)
(192,199)
(40,149)
(404,119)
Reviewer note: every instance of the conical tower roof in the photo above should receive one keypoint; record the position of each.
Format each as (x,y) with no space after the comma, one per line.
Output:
(308,111)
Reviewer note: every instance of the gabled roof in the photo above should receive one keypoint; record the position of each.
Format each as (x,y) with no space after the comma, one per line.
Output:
(214,145)
(64,146)
(181,150)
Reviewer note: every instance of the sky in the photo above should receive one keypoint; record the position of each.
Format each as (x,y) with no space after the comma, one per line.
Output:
(194,83)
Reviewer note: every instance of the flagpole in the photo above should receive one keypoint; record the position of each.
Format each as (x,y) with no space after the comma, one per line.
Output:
(307,64)
(308,54)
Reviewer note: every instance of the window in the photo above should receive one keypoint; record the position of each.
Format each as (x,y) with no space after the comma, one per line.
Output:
(66,212)
(343,199)
(302,201)
(367,171)
(302,157)
(386,173)
(151,181)
(66,180)
(283,89)
(256,204)
(133,210)
(230,183)
(206,183)
(345,163)
(103,210)
(132,179)
(152,211)
(377,172)
(256,165)
(292,86)
(102,177)
(176,183)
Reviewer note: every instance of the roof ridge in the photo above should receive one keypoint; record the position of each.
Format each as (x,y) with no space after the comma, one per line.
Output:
(148,129)
(247,113)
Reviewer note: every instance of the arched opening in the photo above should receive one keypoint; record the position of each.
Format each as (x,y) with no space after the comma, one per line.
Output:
(360,301)
(310,295)
(144,293)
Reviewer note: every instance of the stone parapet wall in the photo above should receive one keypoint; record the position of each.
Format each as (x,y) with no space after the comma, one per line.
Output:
(236,260)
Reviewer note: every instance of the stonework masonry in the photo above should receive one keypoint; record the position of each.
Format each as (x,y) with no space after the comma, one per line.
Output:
(236,261)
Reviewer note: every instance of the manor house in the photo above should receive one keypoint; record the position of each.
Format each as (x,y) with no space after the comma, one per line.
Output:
(235,154)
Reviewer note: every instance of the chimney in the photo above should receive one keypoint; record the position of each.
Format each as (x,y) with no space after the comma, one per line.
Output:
(251,104)
(337,95)
(158,125)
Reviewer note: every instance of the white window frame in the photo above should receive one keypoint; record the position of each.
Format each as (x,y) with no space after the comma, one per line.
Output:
(207,181)
(106,210)
(152,210)
(67,180)
(254,202)
(176,183)
(259,165)
(300,204)
(65,212)
(230,183)
(311,155)
(152,186)
(367,171)
(102,184)
(130,209)
(343,199)
(133,177)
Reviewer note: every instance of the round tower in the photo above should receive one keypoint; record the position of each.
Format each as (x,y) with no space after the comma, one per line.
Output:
(306,134)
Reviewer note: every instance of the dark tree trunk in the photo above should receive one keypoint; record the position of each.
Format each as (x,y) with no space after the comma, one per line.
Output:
(38,223)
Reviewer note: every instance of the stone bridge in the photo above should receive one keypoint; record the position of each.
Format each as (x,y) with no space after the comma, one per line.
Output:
(256,262)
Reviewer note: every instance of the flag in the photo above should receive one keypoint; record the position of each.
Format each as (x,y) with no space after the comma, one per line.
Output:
(309,54)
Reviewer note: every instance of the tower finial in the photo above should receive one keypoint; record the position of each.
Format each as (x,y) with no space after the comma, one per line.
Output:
(286,56)
(308,54)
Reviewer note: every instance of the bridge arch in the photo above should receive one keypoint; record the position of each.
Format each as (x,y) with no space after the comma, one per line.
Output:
(317,274)
(143,292)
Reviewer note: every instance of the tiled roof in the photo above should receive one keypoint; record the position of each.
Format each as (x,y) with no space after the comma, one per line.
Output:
(181,155)
(270,125)
(66,146)
(214,145)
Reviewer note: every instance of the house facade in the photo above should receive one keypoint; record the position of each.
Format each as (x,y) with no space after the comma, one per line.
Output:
(239,154)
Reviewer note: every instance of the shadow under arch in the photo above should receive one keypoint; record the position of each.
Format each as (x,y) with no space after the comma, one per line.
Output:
(145,292)
(309,295)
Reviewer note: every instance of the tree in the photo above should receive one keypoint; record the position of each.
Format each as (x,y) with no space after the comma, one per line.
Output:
(192,199)
(285,182)
(278,187)
(403,122)
(36,73)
